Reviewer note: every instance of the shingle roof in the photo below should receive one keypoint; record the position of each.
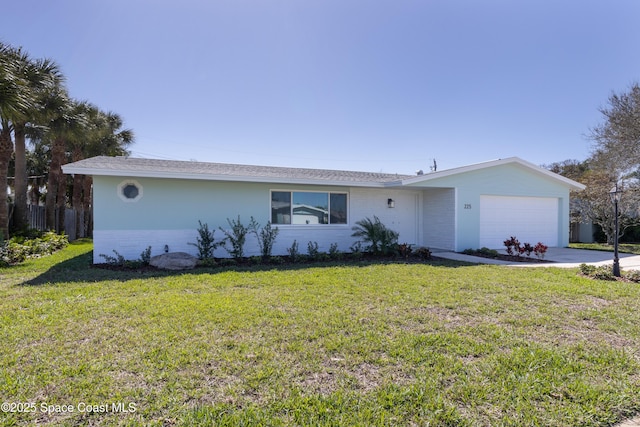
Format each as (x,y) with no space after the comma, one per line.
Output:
(137,167)
(152,168)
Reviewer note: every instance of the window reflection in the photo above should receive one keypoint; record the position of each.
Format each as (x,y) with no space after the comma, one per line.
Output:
(281,207)
(308,208)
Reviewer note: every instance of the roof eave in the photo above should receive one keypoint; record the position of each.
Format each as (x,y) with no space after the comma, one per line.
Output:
(574,185)
(212,177)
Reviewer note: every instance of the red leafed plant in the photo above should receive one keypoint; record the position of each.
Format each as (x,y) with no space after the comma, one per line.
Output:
(513,246)
(540,249)
(526,249)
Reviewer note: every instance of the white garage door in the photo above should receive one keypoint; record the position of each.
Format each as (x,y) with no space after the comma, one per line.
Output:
(530,219)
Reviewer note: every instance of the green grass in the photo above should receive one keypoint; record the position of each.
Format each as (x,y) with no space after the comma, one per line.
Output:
(388,344)
(630,248)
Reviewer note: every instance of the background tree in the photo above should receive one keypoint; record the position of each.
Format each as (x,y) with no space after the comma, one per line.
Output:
(41,76)
(575,170)
(617,138)
(65,122)
(103,136)
(35,106)
(594,203)
(615,160)
(14,102)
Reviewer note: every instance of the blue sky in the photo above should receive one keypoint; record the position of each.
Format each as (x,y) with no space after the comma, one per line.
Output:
(342,84)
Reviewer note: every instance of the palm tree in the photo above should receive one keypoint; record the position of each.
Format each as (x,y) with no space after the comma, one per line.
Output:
(104,136)
(67,122)
(380,239)
(14,102)
(41,77)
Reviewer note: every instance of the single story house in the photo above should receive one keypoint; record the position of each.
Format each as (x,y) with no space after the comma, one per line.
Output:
(158,203)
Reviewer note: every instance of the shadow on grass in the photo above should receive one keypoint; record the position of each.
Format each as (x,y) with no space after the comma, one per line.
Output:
(80,269)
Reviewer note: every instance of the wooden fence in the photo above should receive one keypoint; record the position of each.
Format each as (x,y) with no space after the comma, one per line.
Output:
(36,215)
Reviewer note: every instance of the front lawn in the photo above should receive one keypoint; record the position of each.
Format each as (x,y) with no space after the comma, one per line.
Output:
(368,344)
(630,248)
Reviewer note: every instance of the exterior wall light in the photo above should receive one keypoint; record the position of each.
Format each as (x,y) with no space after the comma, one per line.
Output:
(391,203)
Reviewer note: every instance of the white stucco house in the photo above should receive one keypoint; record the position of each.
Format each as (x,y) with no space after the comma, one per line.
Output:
(144,202)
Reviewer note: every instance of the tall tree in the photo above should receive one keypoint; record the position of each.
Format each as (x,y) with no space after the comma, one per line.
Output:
(104,136)
(67,122)
(14,102)
(615,160)
(617,138)
(41,76)
(575,170)
(594,203)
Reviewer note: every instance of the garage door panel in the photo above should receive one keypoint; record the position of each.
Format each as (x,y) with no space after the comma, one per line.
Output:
(530,219)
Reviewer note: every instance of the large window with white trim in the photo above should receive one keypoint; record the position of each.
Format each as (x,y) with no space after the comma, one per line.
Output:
(308,207)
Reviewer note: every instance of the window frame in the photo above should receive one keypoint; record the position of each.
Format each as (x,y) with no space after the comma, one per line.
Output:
(125,184)
(328,193)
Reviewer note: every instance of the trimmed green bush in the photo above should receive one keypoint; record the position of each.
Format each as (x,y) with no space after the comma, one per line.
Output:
(19,248)
(603,272)
(205,242)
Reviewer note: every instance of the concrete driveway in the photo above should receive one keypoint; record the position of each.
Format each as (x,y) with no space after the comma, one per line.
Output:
(558,257)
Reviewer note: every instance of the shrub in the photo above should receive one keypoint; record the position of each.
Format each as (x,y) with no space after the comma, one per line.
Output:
(36,244)
(117,260)
(120,261)
(491,253)
(423,253)
(483,252)
(207,262)
(255,260)
(513,246)
(293,252)
(587,269)
(205,242)
(266,236)
(602,272)
(236,237)
(526,249)
(312,250)
(405,250)
(632,275)
(356,250)
(380,239)
(540,250)
(276,260)
(227,262)
(334,252)
(145,256)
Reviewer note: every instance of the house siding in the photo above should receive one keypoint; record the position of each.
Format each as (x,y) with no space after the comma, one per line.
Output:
(168,213)
(403,218)
(440,210)
(439,218)
(503,180)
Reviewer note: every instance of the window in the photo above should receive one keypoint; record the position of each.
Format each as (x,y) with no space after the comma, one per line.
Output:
(130,191)
(308,208)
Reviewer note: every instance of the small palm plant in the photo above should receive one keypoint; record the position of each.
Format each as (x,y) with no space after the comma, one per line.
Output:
(378,238)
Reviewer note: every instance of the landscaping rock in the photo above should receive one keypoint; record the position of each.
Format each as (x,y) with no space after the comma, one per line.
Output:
(174,261)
